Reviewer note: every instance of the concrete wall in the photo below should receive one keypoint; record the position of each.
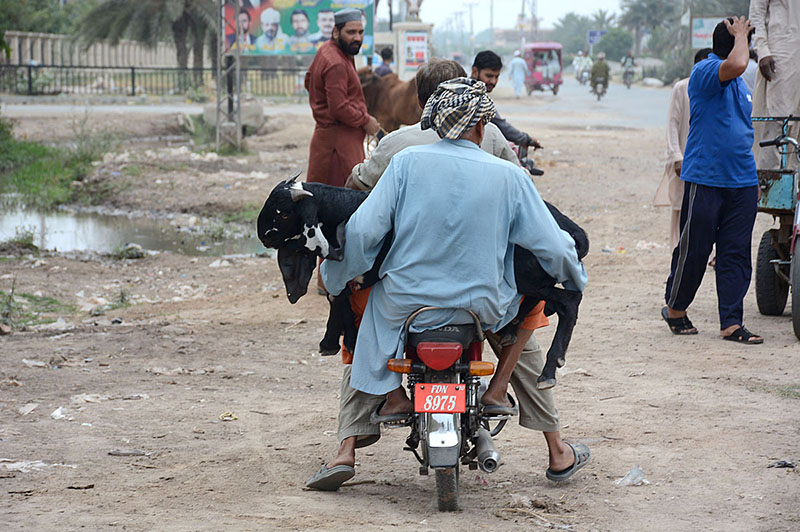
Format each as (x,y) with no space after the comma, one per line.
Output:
(59,50)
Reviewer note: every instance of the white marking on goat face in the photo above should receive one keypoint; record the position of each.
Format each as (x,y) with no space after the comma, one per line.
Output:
(315,239)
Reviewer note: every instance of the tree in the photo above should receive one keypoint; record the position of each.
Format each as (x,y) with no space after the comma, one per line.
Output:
(639,15)
(603,20)
(570,30)
(616,43)
(150,21)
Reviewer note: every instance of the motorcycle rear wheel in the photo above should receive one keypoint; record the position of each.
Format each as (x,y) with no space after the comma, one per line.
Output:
(447,489)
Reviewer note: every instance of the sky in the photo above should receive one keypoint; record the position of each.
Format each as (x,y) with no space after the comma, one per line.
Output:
(505,11)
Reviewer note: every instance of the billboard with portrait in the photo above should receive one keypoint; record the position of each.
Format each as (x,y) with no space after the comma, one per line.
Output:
(290,27)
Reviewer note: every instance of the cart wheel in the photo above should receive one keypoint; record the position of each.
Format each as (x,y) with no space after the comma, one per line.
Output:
(771,290)
(555,90)
(795,276)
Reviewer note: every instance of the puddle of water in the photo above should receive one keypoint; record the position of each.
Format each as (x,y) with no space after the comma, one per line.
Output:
(70,231)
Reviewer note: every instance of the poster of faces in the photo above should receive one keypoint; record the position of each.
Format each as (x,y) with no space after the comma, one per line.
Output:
(291,27)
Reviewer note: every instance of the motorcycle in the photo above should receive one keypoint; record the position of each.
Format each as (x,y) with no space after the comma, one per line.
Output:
(599,88)
(443,369)
(627,77)
(583,76)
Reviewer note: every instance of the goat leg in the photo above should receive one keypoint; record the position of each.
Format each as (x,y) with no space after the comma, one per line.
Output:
(335,325)
(565,304)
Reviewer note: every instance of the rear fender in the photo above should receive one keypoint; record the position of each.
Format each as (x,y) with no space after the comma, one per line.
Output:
(442,437)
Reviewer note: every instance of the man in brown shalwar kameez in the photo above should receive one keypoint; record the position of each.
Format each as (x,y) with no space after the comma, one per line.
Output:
(337,104)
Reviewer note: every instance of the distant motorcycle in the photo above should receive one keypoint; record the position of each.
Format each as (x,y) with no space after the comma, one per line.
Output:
(627,77)
(583,76)
(599,88)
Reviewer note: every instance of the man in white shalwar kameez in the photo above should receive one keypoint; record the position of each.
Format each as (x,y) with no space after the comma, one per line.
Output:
(518,70)
(670,190)
(456,213)
(777,90)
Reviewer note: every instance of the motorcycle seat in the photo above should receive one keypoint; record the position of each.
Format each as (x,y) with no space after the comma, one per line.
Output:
(463,334)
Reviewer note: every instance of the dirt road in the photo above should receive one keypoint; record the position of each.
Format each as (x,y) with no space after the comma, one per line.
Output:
(147,440)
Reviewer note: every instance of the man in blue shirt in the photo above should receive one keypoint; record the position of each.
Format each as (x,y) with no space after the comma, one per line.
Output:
(720,189)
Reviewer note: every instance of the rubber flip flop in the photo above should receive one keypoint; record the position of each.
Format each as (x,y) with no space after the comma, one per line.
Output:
(582,457)
(375,418)
(501,410)
(679,326)
(742,336)
(330,479)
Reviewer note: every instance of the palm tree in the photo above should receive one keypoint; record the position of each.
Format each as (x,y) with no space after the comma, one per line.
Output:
(603,19)
(150,21)
(643,14)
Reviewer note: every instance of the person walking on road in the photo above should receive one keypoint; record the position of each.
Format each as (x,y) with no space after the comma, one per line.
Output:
(777,88)
(518,70)
(670,190)
(720,188)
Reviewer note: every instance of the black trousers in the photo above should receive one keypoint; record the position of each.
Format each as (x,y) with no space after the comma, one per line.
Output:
(721,216)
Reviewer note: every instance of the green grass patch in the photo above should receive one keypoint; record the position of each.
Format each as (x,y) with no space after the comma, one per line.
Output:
(132,170)
(788,391)
(21,244)
(248,214)
(123,299)
(24,310)
(43,175)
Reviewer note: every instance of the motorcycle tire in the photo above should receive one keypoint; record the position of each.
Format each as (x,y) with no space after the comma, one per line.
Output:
(795,277)
(447,489)
(555,90)
(771,290)
(599,95)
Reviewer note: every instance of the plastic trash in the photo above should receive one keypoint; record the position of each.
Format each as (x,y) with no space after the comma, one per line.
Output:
(635,477)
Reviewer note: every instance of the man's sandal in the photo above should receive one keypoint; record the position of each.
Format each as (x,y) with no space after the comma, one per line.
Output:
(582,456)
(679,326)
(743,336)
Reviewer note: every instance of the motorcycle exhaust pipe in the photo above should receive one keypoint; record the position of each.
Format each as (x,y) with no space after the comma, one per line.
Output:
(488,457)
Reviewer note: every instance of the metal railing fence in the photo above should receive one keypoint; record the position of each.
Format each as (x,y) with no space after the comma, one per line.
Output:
(132,81)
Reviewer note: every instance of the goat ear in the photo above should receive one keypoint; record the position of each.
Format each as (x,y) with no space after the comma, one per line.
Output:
(298,192)
(296,270)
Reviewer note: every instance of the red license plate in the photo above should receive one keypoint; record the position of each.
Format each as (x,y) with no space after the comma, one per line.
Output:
(440,398)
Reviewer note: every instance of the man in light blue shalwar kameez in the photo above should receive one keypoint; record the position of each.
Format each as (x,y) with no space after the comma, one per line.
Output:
(518,70)
(456,213)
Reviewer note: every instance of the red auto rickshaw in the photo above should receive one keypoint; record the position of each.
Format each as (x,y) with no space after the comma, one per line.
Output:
(544,66)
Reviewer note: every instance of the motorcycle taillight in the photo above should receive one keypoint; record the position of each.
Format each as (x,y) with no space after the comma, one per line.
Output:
(439,355)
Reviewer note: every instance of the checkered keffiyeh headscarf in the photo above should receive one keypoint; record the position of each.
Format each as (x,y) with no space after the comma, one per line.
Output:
(456,107)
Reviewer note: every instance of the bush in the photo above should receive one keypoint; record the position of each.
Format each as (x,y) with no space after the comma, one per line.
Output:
(616,43)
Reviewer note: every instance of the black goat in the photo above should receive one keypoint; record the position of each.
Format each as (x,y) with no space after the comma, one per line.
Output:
(306,220)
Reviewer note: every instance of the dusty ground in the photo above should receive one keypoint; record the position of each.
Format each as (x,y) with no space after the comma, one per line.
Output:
(702,417)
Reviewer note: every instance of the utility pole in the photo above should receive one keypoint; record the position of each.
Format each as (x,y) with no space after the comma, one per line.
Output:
(522,27)
(470,5)
(460,16)
(491,19)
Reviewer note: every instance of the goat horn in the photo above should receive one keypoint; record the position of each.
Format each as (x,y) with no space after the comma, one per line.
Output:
(294,176)
(298,192)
